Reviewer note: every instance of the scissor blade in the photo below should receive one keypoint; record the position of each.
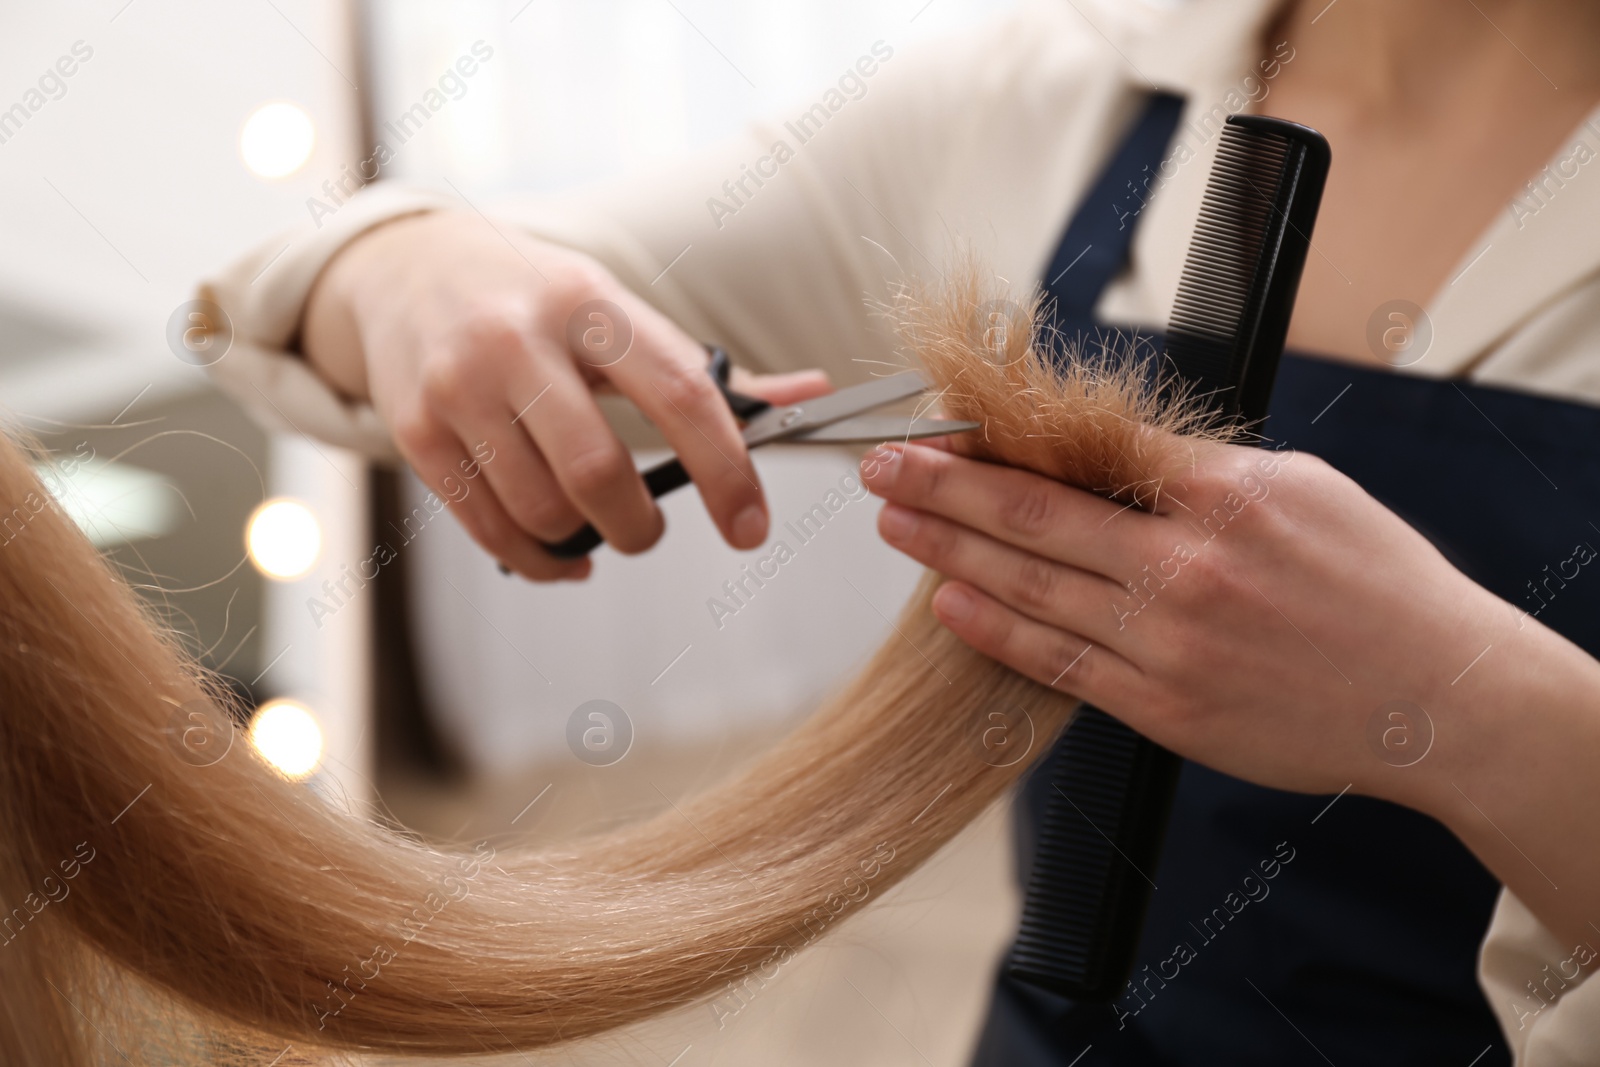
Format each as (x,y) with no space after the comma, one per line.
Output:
(872,428)
(792,419)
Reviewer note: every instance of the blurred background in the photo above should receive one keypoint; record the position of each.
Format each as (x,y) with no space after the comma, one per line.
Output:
(442,694)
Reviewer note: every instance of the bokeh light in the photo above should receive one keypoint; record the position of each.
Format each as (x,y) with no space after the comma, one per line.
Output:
(276,140)
(287,736)
(283,539)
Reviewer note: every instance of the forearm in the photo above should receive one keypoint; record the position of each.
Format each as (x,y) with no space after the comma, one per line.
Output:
(1512,773)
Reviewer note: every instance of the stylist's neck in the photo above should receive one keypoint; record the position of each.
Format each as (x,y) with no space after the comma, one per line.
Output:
(1409,57)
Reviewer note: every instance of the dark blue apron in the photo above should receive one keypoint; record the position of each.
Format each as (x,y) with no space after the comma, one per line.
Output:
(1362,948)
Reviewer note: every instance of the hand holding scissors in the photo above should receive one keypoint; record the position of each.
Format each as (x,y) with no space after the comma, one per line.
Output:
(838,418)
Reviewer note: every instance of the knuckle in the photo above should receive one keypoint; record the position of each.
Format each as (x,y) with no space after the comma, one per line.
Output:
(1067,663)
(544,515)
(579,279)
(1205,580)
(1216,476)
(444,379)
(487,331)
(415,433)
(936,542)
(873,463)
(686,388)
(1028,512)
(1206,491)
(1037,583)
(470,363)
(1263,518)
(928,470)
(589,472)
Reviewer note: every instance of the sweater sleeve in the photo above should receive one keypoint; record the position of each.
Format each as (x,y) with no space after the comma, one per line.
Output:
(263,295)
(1541,991)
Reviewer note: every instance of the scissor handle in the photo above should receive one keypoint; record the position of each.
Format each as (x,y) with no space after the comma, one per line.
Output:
(663,478)
(744,406)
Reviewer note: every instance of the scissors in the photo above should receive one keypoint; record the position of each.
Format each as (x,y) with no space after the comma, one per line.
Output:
(838,418)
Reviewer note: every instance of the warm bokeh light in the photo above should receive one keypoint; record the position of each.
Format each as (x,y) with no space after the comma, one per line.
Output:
(276,140)
(287,736)
(283,539)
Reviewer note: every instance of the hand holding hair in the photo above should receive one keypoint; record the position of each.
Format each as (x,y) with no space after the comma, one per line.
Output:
(1256,616)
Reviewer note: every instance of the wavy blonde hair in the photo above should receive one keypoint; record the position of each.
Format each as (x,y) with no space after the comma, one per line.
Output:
(180,912)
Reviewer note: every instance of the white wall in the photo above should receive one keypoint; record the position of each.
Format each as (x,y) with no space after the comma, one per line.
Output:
(120,194)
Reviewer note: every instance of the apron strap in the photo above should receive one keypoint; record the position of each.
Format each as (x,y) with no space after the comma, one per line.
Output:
(1095,247)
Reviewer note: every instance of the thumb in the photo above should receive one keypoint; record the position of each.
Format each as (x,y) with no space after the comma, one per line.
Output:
(780,389)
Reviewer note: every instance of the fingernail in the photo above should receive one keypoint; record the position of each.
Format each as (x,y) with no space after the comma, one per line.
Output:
(881,466)
(954,603)
(897,523)
(750,527)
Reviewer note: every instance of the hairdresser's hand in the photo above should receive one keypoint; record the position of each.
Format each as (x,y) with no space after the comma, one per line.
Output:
(1256,622)
(1261,621)
(482,348)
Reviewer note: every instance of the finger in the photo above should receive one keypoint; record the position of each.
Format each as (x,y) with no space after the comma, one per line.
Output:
(1056,658)
(780,389)
(1053,593)
(590,463)
(666,378)
(525,485)
(490,525)
(518,476)
(884,452)
(1017,507)
(438,458)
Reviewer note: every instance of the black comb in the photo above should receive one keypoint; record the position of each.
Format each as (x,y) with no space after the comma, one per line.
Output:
(1099,840)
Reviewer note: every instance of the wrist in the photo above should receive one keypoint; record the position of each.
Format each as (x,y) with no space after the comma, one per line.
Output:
(360,273)
(330,337)
(1516,711)
(1468,711)
(1520,790)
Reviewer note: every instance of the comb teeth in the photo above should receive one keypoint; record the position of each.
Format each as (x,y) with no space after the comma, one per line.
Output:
(1235,247)
(1107,785)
